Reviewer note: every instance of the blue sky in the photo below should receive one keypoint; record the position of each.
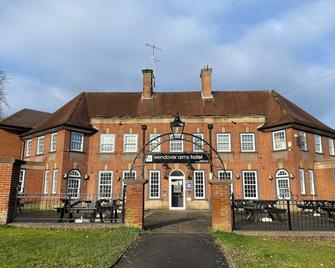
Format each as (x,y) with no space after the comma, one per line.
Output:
(53,50)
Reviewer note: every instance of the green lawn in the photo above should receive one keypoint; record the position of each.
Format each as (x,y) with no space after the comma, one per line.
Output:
(247,251)
(21,247)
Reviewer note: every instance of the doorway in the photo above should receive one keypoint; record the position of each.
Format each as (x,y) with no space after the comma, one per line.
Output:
(176,190)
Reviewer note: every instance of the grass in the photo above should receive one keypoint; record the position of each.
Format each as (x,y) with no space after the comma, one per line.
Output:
(251,251)
(21,247)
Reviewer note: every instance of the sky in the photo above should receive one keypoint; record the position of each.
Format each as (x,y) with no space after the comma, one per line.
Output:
(53,50)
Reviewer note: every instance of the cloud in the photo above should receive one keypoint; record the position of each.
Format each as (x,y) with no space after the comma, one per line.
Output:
(57,49)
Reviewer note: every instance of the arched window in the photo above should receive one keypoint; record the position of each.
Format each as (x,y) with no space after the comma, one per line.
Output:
(283,184)
(177,173)
(73,183)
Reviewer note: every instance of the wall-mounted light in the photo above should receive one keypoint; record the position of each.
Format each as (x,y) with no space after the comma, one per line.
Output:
(238,176)
(65,176)
(166,167)
(86,177)
(271,178)
(292,176)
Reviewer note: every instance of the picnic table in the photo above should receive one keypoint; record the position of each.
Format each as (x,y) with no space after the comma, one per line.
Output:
(267,208)
(318,207)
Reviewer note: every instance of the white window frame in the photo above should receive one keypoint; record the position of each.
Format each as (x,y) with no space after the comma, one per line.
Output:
(203,184)
(102,136)
(302,181)
(152,184)
(222,175)
(103,194)
(312,181)
(54,181)
(81,141)
(275,140)
(198,144)
(331,146)
(318,143)
(153,143)
(282,175)
(124,172)
(53,142)
(75,176)
(303,135)
(46,182)
(253,142)
(220,144)
(20,187)
(244,184)
(125,149)
(179,141)
(28,147)
(39,147)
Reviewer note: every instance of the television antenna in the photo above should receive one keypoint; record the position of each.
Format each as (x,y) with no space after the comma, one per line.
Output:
(153,60)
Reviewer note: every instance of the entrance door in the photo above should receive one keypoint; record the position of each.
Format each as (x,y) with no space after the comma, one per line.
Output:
(177,190)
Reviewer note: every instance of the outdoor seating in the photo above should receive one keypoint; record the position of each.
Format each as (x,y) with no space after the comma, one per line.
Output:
(264,208)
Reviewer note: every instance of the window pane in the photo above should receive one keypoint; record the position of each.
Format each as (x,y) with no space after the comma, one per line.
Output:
(250,184)
(279,140)
(223,143)
(130,143)
(154,184)
(176,143)
(198,144)
(302,181)
(155,146)
(247,142)
(105,184)
(199,184)
(40,145)
(46,182)
(53,142)
(311,181)
(107,142)
(331,146)
(318,143)
(302,141)
(54,181)
(77,141)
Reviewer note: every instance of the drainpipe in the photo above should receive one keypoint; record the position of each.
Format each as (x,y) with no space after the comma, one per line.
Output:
(144,128)
(210,128)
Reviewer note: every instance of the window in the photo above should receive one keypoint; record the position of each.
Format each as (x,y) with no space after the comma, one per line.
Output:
(128,176)
(198,144)
(250,187)
(73,184)
(279,140)
(46,182)
(130,143)
(54,182)
(20,187)
(311,181)
(318,143)
(77,141)
(331,146)
(302,140)
(107,142)
(176,143)
(199,184)
(248,142)
(28,147)
(53,142)
(302,181)
(223,143)
(154,184)
(226,175)
(40,145)
(283,184)
(105,184)
(155,146)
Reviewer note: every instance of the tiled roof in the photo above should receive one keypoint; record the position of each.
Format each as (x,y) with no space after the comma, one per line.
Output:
(276,109)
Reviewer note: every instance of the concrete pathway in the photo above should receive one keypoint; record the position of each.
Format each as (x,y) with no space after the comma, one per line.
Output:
(178,239)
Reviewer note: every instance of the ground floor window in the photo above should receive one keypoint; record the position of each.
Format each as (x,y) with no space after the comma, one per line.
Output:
(302,181)
(311,181)
(127,175)
(199,184)
(154,184)
(226,175)
(250,187)
(283,184)
(105,184)
(54,181)
(73,184)
(20,187)
(46,182)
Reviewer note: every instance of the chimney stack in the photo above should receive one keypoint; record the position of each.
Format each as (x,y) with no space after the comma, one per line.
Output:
(206,82)
(148,83)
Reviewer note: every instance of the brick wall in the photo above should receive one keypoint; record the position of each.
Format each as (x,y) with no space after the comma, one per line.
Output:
(11,145)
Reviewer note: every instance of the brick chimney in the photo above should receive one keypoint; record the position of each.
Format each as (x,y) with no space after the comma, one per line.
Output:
(206,82)
(148,83)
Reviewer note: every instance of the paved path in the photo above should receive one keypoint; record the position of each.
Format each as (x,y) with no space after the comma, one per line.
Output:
(179,239)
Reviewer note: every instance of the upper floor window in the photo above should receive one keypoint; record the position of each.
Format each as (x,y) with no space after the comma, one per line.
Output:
(130,143)
(198,143)
(318,143)
(155,141)
(77,141)
(28,147)
(248,142)
(53,142)
(223,143)
(302,140)
(40,145)
(176,143)
(105,184)
(107,142)
(279,140)
(331,146)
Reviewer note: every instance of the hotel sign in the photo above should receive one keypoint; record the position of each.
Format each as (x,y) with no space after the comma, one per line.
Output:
(177,158)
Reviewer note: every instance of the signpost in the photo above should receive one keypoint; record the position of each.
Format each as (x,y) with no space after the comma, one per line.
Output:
(177,158)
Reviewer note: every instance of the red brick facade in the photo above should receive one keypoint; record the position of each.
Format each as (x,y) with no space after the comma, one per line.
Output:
(11,144)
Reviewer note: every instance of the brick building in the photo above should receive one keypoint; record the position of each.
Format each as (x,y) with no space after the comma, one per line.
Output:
(270,147)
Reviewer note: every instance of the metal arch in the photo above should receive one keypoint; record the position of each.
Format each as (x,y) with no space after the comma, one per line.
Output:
(142,152)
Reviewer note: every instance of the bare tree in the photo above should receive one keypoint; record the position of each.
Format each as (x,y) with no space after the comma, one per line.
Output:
(3,81)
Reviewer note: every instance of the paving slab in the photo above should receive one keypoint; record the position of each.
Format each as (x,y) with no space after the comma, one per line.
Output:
(173,250)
